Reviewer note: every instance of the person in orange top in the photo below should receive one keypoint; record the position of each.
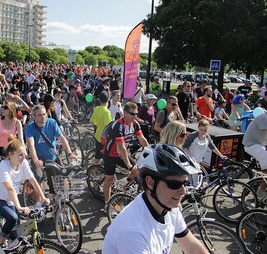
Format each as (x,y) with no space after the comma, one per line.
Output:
(204,104)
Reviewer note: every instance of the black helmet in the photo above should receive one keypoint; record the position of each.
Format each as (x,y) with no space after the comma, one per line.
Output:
(163,160)
(49,98)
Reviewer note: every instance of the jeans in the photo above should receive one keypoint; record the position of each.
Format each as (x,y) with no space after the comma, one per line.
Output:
(9,213)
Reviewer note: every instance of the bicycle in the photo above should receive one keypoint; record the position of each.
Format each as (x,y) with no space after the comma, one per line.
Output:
(231,197)
(71,130)
(252,229)
(31,240)
(216,237)
(68,183)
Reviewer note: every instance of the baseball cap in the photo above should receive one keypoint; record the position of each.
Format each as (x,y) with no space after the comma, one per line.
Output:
(57,90)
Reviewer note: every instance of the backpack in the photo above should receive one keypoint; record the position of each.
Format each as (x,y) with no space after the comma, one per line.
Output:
(107,131)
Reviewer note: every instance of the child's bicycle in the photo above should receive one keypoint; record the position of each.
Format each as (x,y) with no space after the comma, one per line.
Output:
(31,240)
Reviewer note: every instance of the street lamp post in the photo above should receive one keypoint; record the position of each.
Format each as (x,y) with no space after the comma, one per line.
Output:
(149,51)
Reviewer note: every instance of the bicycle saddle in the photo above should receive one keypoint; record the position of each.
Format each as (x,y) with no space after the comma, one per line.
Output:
(61,170)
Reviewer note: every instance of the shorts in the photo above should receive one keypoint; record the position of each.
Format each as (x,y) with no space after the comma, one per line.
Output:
(98,150)
(259,153)
(112,162)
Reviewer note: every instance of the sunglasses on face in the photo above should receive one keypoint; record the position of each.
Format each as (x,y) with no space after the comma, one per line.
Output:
(174,104)
(182,135)
(174,184)
(133,113)
(5,107)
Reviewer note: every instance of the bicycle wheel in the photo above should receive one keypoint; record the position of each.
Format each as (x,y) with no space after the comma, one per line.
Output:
(252,229)
(116,204)
(89,112)
(76,133)
(217,237)
(75,149)
(28,195)
(255,184)
(68,227)
(88,142)
(238,198)
(82,112)
(242,174)
(95,180)
(49,246)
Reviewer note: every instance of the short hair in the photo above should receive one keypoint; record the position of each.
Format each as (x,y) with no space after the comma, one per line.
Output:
(170,132)
(186,83)
(129,105)
(206,89)
(172,97)
(113,93)
(204,123)
(37,107)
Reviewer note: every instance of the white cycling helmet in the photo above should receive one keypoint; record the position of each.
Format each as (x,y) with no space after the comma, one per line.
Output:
(163,160)
(151,96)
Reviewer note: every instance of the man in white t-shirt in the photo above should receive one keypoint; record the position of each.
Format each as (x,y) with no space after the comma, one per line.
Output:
(115,106)
(150,222)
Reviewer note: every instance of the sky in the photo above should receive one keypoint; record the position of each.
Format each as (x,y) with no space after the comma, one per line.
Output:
(82,23)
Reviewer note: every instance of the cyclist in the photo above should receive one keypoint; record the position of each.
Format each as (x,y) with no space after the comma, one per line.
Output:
(255,141)
(115,151)
(13,170)
(153,219)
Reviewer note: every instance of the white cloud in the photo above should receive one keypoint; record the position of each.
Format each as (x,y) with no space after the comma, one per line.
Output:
(60,27)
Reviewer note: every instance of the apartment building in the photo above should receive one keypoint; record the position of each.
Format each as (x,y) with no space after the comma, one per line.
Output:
(22,21)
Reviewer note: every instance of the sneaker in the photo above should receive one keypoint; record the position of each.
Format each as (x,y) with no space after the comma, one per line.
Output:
(261,193)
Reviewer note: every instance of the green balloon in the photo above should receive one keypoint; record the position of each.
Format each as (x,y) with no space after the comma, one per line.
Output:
(161,104)
(89,97)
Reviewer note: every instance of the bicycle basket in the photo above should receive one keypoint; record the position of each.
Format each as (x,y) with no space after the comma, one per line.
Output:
(65,185)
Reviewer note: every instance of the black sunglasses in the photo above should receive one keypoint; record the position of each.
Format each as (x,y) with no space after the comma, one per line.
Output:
(5,107)
(182,135)
(174,104)
(132,113)
(174,184)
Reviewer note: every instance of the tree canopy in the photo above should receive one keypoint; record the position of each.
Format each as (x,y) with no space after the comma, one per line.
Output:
(197,31)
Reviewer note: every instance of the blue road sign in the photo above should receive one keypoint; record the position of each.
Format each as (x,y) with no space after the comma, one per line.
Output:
(215,65)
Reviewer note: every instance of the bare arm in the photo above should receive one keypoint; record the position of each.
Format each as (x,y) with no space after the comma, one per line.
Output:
(142,140)
(20,132)
(39,191)
(157,127)
(191,245)
(124,154)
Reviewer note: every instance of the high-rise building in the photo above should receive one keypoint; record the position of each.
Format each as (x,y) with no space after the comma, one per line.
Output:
(22,21)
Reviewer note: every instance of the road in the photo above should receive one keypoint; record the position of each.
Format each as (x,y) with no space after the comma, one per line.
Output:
(95,222)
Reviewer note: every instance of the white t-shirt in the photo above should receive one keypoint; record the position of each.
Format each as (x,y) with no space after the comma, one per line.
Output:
(115,108)
(219,111)
(8,174)
(135,230)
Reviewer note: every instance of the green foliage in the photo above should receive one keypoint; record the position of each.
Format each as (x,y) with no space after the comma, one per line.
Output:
(95,50)
(61,52)
(2,54)
(12,52)
(47,55)
(79,59)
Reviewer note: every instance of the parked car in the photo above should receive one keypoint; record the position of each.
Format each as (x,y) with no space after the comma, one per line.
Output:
(235,80)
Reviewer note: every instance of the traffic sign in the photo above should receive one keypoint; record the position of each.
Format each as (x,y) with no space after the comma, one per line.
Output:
(215,65)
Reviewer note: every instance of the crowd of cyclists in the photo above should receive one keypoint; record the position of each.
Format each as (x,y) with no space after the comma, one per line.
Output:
(38,101)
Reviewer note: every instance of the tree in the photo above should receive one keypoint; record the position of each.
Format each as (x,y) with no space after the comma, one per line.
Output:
(2,54)
(114,52)
(197,31)
(12,52)
(61,52)
(47,55)
(95,50)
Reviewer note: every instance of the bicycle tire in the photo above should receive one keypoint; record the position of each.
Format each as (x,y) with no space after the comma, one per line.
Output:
(116,204)
(68,227)
(50,247)
(255,184)
(97,173)
(242,174)
(252,229)
(88,142)
(75,149)
(76,133)
(217,237)
(230,207)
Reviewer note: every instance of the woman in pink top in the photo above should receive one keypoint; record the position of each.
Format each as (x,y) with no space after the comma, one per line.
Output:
(9,124)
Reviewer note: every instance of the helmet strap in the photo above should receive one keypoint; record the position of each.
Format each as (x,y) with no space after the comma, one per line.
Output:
(154,195)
